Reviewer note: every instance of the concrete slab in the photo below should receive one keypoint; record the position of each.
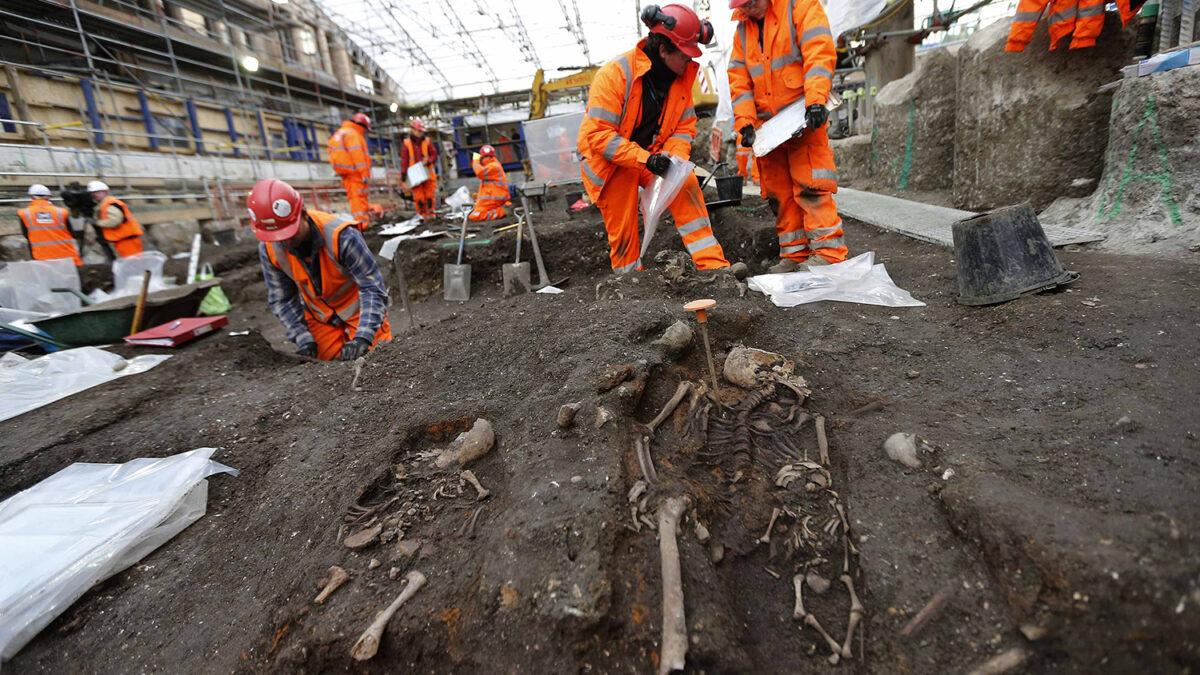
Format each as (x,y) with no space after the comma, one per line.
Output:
(930,223)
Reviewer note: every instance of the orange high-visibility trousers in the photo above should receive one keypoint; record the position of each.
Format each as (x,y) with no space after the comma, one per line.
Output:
(127,247)
(806,218)
(425,196)
(618,205)
(482,213)
(356,192)
(747,167)
(331,339)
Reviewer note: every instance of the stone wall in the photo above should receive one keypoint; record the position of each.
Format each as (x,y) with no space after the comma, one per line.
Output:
(913,133)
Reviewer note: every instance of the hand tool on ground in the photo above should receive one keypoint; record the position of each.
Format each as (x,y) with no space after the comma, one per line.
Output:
(543,278)
(403,286)
(456,279)
(141,304)
(515,275)
(701,307)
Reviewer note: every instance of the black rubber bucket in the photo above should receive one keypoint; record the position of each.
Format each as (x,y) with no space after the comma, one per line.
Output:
(729,188)
(1004,254)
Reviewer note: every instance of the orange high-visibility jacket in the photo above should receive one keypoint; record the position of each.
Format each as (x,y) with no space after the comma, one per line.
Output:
(47,231)
(796,58)
(128,229)
(338,300)
(409,156)
(614,110)
(1083,17)
(348,151)
(493,186)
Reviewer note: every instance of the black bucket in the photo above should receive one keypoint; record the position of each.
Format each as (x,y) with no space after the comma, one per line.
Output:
(1004,254)
(729,188)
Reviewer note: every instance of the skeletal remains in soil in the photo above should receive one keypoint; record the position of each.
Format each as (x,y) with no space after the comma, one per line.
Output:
(368,643)
(808,530)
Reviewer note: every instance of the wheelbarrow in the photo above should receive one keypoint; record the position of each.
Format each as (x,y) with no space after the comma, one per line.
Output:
(108,322)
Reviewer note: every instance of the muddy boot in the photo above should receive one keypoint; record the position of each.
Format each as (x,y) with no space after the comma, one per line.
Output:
(814,261)
(784,266)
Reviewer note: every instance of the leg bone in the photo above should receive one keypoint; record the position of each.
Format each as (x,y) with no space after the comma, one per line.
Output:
(766,538)
(682,390)
(856,614)
(481,491)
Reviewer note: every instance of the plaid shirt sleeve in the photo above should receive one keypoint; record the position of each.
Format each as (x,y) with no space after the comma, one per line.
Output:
(356,257)
(284,300)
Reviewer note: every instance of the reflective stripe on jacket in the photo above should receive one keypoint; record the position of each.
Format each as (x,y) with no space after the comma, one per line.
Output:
(129,227)
(493,186)
(348,151)
(47,231)
(614,110)
(796,59)
(337,301)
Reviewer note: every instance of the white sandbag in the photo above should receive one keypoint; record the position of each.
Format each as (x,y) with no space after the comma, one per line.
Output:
(86,523)
(30,384)
(26,284)
(858,280)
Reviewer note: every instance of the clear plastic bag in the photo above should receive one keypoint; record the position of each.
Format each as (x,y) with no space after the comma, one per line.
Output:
(30,384)
(26,285)
(86,523)
(460,199)
(127,273)
(662,191)
(857,280)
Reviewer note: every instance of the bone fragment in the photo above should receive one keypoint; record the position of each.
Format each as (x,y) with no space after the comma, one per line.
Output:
(816,582)
(676,339)
(636,491)
(677,398)
(798,610)
(1001,663)
(603,415)
(856,614)
(674,635)
(469,446)
(358,368)
(766,538)
(481,491)
(902,447)
(641,448)
(822,440)
(363,537)
(930,611)
(836,650)
(368,642)
(334,578)
(701,531)
(566,414)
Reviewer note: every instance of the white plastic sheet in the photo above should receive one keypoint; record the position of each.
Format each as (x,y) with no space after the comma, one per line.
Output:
(416,174)
(26,285)
(127,273)
(460,199)
(388,250)
(786,123)
(858,280)
(86,523)
(30,384)
(662,191)
(401,228)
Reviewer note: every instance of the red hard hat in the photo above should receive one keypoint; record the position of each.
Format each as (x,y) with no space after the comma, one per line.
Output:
(361,118)
(418,125)
(275,210)
(734,4)
(680,24)
(487,151)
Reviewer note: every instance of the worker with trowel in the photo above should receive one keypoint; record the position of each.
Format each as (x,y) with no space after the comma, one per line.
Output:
(322,281)
(117,225)
(349,157)
(493,186)
(45,228)
(417,148)
(783,51)
(640,114)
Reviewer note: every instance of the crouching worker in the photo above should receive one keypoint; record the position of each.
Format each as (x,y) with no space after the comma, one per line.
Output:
(322,281)
(493,186)
(639,113)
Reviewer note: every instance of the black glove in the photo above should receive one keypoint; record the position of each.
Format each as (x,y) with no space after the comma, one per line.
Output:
(658,163)
(307,349)
(815,115)
(354,349)
(747,133)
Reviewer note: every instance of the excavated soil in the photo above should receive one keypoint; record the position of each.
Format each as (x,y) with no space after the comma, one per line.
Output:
(1054,505)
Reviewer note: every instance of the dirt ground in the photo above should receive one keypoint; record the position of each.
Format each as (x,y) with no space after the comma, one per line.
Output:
(1054,506)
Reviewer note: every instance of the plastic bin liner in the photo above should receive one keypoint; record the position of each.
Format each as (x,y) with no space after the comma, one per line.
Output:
(30,384)
(460,199)
(551,143)
(127,273)
(858,280)
(85,524)
(662,191)
(26,285)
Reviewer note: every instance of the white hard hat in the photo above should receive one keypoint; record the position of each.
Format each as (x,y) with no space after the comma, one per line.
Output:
(39,190)
(97,186)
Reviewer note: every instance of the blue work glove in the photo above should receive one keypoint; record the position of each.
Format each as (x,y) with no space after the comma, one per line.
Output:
(815,115)
(354,349)
(308,349)
(658,163)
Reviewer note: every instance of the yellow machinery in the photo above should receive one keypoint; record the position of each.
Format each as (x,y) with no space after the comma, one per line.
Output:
(704,92)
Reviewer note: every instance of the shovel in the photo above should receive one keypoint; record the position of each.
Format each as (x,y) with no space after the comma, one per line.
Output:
(516,274)
(456,279)
(543,277)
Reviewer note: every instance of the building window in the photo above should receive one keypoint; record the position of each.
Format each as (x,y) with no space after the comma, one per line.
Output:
(364,84)
(308,42)
(193,20)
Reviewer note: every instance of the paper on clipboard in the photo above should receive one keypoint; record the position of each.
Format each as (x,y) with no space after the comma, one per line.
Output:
(786,123)
(417,174)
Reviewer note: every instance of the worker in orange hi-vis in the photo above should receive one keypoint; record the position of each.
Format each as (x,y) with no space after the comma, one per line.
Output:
(783,51)
(45,227)
(639,114)
(117,224)
(349,157)
(417,148)
(493,186)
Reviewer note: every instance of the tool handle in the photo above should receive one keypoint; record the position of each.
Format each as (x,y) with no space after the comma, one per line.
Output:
(141,304)
(462,238)
(543,278)
(520,224)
